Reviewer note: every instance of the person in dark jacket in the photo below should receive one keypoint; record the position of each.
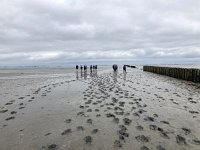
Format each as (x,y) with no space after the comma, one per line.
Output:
(124,68)
(81,67)
(115,67)
(91,68)
(85,67)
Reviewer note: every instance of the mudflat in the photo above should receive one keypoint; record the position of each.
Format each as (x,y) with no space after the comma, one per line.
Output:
(65,109)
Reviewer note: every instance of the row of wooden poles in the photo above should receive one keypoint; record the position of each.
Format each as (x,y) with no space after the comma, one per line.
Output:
(188,74)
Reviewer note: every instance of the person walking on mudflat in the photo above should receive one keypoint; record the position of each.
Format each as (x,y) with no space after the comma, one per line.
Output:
(124,68)
(115,67)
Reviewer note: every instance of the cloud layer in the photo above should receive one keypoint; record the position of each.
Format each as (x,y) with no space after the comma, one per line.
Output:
(49,30)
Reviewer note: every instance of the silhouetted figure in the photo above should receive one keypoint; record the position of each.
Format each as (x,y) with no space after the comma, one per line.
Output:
(85,67)
(81,68)
(124,68)
(77,74)
(77,67)
(85,74)
(124,76)
(94,67)
(115,67)
(91,68)
(115,76)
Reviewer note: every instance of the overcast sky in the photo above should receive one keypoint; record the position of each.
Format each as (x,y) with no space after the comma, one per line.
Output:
(38,31)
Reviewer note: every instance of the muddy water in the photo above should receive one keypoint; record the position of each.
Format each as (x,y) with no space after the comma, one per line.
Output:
(99,111)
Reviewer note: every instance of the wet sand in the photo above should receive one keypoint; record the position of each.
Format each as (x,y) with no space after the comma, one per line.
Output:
(68,110)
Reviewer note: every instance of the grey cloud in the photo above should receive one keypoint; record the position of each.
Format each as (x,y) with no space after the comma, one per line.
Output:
(48,30)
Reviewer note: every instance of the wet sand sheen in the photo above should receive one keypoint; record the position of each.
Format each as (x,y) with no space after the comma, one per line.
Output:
(102,110)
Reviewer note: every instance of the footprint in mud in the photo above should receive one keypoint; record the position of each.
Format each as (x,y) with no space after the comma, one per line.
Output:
(66,132)
(89,110)
(114,100)
(3,111)
(193,102)
(81,113)
(5,125)
(142,138)
(121,104)
(80,128)
(180,140)
(164,135)
(89,121)
(97,110)
(193,112)
(13,112)
(196,141)
(160,129)
(10,118)
(47,134)
(186,130)
(127,121)
(88,102)
(122,131)
(116,120)
(139,127)
(94,131)
(175,103)
(159,147)
(98,115)
(141,111)
(21,107)
(153,127)
(144,105)
(144,148)
(9,103)
(95,103)
(122,138)
(165,122)
(68,121)
(21,104)
(149,119)
(117,143)
(82,107)
(131,103)
(136,114)
(109,108)
(88,139)
(51,147)
(109,115)
(155,115)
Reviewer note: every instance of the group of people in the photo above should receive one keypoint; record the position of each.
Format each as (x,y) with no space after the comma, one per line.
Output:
(115,68)
(92,67)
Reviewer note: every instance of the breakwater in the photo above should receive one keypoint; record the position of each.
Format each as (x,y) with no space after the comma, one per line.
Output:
(189,74)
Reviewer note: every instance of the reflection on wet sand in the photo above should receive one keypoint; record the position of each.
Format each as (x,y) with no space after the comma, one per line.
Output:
(77,77)
(115,76)
(124,75)
(81,74)
(84,74)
